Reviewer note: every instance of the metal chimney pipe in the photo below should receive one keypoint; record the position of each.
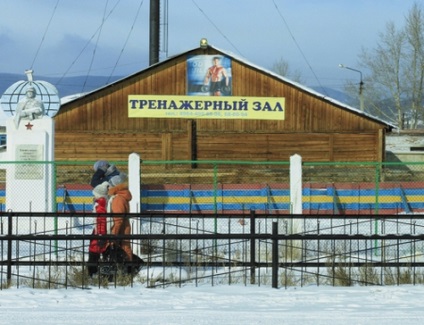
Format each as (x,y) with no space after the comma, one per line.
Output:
(154,31)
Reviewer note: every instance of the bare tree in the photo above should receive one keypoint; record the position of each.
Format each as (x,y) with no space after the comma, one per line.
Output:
(394,86)
(282,68)
(414,70)
(384,63)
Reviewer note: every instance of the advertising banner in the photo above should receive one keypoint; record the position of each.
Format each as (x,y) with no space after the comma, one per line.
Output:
(209,75)
(155,106)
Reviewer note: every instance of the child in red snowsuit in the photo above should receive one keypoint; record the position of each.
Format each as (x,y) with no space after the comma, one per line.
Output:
(98,246)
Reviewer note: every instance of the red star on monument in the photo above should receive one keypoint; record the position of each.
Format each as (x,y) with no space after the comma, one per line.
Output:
(29,126)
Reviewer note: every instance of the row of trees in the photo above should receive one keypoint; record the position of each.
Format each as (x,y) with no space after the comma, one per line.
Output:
(393,73)
(395,84)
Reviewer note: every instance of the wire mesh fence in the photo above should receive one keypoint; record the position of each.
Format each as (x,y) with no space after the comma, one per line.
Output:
(361,223)
(237,187)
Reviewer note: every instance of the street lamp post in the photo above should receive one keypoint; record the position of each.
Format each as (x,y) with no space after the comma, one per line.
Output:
(361,86)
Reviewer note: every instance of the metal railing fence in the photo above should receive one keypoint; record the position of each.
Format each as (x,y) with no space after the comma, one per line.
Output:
(49,250)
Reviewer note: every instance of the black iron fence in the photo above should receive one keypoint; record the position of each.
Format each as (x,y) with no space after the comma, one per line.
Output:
(50,250)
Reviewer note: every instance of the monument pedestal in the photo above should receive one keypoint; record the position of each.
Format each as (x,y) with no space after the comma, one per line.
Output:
(29,178)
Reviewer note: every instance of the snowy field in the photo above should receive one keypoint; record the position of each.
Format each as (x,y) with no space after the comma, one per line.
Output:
(224,304)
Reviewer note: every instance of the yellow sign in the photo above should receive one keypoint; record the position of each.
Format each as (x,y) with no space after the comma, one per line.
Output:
(251,108)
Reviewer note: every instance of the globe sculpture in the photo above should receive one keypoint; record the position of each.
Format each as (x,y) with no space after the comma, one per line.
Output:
(45,92)
(29,107)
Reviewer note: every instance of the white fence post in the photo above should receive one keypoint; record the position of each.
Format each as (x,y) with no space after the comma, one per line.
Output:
(295,226)
(134,187)
(134,181)
(296,184)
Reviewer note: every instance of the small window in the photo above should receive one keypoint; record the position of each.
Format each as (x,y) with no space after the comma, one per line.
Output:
(416,148)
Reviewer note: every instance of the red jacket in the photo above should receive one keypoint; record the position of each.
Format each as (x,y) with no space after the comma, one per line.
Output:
(99,246)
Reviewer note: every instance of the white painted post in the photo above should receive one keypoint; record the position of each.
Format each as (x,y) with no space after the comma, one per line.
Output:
(134,181)
(134,187)
(296,184)
(295,225)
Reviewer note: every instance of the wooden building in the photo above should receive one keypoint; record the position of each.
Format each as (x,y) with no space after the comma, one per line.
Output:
(310,124)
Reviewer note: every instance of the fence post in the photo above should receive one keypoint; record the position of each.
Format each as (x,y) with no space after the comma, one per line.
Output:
(274,255)
(134,161)
(296,184)
(252,247)
(9,249)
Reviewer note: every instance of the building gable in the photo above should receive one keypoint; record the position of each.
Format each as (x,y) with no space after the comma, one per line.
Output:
(318,127)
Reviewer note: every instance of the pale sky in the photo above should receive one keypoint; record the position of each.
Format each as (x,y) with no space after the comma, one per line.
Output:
(313,36)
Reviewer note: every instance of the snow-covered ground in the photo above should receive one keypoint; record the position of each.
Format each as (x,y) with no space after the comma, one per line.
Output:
(207,304)
(224,304)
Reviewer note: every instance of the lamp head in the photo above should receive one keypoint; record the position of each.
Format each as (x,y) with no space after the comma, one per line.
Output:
(203,43)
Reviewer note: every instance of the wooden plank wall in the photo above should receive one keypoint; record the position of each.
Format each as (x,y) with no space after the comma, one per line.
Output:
(113,146)
(319,130)
(279,147)
(237,146)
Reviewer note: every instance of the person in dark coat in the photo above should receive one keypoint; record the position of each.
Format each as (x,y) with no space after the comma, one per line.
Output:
(103,171)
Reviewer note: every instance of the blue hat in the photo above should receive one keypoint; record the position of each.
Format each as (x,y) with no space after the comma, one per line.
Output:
(118,179)
(99,164)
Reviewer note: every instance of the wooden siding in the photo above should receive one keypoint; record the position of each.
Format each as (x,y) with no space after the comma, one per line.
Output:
(114,146)
(236,146)
(97,125)
(268,147)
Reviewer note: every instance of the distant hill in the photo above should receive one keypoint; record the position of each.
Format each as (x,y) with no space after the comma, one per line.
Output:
(75,85)
(337,95)
(66,86)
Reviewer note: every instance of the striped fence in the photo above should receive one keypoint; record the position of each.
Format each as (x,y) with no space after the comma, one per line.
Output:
(318,198)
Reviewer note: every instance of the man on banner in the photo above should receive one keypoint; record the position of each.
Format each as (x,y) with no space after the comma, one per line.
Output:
(217,77)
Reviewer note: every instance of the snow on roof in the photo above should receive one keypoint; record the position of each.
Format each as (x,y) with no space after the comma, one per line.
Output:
(245,61)
(305,88)
(70,98)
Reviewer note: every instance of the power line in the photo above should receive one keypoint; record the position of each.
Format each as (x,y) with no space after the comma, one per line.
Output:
(88,42)
(298,47)
(44,35)
(126,41)
(216,27)
(95,47)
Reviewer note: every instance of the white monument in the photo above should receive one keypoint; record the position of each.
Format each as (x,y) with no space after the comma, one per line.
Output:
(30,186)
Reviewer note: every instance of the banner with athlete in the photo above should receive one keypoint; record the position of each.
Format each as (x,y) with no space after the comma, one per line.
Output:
(209,75)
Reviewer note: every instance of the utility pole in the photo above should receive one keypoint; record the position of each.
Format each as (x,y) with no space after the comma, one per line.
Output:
(361,86)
